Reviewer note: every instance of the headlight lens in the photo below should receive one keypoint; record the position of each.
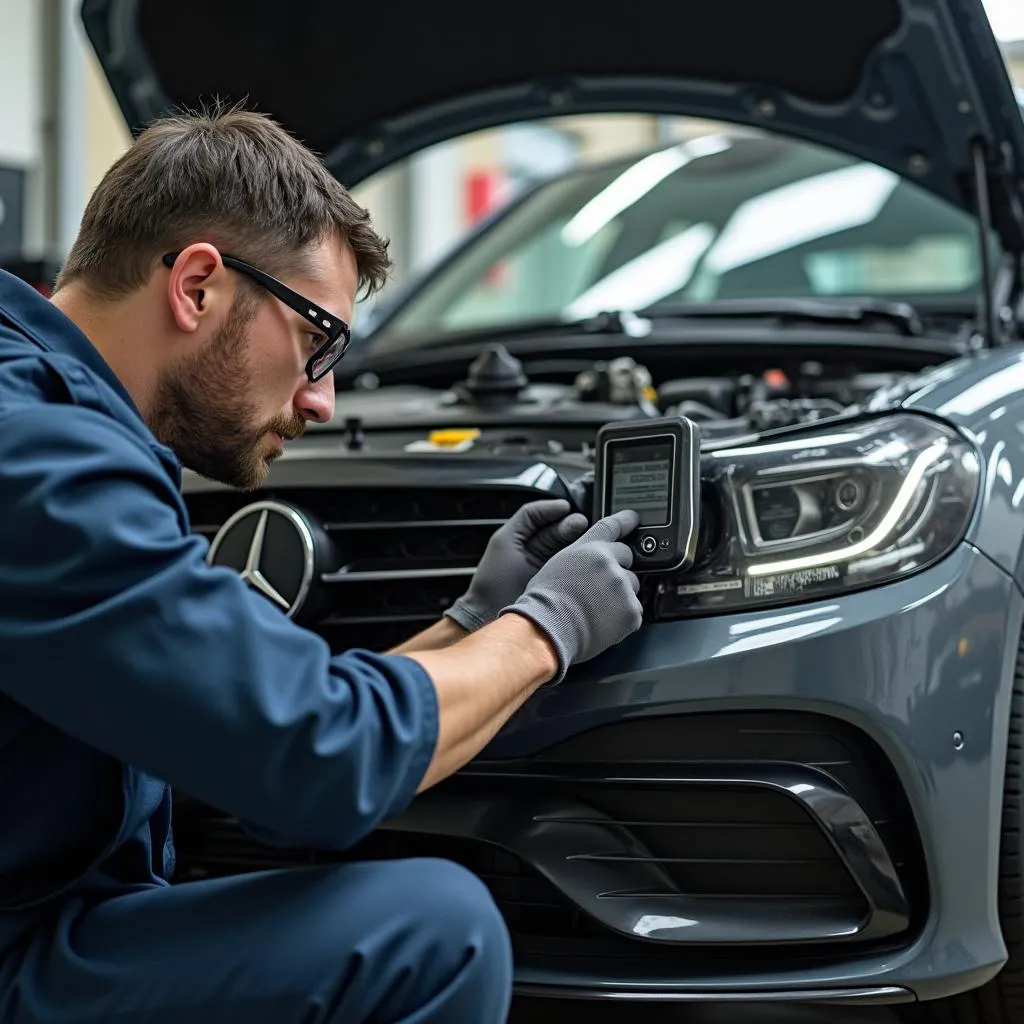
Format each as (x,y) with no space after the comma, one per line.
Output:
(860,504)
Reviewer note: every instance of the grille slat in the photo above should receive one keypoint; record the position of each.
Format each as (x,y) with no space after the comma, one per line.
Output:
(339,526)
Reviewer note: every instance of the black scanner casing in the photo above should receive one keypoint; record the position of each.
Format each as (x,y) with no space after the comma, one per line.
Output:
(674,545)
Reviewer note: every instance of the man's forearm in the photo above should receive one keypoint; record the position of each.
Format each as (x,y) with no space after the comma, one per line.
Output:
(481,681)
(441,634)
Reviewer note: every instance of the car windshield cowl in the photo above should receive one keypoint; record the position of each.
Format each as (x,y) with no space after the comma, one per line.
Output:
(900,315)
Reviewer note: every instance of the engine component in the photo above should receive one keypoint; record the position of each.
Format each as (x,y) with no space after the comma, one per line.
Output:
(496,376)
(783,412)
(716,396)
(621,381)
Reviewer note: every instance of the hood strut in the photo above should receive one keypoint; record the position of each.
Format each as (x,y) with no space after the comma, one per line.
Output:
(982,201)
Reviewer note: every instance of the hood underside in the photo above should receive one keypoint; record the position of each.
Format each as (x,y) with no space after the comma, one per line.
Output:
(912,85)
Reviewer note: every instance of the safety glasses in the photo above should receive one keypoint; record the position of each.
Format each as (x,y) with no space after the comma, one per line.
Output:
(336,331)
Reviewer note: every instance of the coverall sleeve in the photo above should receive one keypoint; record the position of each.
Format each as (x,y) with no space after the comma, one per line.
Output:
(114,629)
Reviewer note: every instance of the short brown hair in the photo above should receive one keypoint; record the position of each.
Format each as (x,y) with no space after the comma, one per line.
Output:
(225,175)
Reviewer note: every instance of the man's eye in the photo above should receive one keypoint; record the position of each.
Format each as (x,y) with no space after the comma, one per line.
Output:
(315,340)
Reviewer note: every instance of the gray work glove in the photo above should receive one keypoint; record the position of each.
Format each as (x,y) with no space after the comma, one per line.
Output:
(585,597)
(516,551)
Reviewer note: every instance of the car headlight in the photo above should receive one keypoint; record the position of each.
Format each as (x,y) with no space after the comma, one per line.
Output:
(849,506)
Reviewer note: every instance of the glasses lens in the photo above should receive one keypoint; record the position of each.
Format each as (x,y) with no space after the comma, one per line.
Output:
(325,360)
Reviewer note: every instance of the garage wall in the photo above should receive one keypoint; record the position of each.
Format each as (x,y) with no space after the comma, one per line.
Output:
(108,136)
(21,76)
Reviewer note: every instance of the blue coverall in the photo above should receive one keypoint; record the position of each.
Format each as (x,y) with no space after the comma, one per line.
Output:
(128,665)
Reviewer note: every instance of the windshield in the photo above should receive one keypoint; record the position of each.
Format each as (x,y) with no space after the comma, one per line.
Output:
(722,216)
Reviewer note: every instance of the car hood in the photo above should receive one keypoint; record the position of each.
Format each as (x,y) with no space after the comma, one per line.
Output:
(908,84)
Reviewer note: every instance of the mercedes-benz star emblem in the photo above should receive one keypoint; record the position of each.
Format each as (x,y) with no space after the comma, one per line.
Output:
(271,546)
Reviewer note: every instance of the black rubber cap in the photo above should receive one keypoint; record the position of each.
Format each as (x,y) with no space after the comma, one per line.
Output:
(495,372)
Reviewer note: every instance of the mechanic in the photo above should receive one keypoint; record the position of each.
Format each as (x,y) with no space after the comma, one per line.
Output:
(128,665)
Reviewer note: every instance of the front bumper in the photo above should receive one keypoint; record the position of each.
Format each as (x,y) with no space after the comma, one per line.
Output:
(923,668)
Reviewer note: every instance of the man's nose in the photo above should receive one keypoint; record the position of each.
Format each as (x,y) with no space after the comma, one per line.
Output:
(315,402)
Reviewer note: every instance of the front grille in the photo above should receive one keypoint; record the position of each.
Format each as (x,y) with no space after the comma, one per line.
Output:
(406,552)
(736,845)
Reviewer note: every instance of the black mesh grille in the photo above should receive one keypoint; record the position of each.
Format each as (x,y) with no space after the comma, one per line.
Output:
(408,530)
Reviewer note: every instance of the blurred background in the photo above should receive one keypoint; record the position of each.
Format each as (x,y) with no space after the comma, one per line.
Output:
(60,130)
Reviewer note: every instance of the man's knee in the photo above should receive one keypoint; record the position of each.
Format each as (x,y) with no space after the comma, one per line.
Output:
(438,941)
(455,916)
(453,903)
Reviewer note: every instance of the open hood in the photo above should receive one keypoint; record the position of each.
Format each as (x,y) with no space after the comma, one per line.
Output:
(918,86)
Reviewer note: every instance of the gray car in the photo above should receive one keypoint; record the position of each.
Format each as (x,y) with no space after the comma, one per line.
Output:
(801,779)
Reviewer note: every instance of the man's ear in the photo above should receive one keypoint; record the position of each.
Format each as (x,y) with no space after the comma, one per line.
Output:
(199,286)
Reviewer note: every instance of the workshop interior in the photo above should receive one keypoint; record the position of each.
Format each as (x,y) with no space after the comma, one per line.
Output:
(755,271)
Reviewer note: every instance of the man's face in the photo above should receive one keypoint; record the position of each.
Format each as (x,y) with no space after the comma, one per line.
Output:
(227,408)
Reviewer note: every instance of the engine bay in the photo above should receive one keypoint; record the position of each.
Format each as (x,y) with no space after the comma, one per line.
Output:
(568,400)
(403,488)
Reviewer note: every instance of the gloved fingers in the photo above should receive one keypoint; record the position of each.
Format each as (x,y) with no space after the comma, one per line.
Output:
(552,538)
(535,515)
(571,528)
(613,527)
(622,553)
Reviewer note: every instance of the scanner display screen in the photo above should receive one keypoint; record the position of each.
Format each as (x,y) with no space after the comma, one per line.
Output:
(640,475)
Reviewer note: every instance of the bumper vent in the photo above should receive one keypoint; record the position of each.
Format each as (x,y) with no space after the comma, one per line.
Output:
(800,841)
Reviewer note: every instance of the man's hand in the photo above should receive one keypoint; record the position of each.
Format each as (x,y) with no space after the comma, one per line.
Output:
(513,555)
(585,598)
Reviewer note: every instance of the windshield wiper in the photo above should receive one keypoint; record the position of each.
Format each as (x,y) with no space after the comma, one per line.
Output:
(858,312)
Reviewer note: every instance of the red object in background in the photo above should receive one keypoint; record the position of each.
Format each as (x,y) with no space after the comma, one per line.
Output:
(483,195)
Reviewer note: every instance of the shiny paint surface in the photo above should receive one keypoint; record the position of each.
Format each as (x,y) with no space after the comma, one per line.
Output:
(984,397)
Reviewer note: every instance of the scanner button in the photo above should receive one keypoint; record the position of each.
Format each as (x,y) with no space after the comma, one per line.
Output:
(648,545)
